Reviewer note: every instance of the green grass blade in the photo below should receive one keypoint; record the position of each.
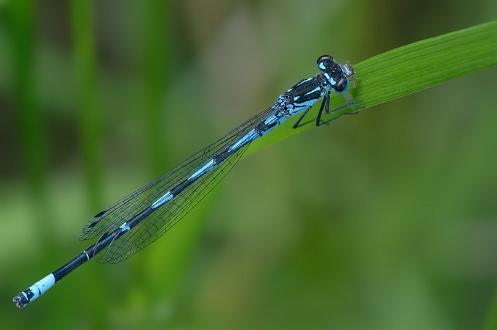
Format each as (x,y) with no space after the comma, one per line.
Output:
(413,68)
(423,64)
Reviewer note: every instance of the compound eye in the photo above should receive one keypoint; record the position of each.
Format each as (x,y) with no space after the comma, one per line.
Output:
(341,85)
(324,61)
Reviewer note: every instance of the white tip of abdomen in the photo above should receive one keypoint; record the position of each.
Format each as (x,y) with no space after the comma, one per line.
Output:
(34,291)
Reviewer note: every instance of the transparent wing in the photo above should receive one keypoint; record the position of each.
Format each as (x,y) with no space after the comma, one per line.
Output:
(110,219)
(159,222)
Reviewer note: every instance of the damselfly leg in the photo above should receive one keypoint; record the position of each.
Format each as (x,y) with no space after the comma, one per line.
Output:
(297,123)
(346,105)
(325,104)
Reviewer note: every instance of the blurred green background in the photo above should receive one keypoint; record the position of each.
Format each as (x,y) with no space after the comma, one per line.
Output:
(385,220)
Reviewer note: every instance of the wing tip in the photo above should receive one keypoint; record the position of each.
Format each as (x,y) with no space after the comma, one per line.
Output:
(88,230)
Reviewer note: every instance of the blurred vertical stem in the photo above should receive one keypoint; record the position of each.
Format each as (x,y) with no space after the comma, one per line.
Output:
(154,60)
(90,134)
(491,320)
(90,119)
(154,65)
(31,132)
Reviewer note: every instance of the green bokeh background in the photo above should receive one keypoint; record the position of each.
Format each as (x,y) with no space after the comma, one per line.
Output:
(385,220)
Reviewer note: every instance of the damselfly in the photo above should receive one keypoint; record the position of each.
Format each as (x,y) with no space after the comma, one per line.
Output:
(140,218)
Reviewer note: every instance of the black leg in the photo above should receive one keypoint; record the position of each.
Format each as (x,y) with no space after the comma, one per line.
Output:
(333,119)
(327,105)
(320,113)
(297,123)
(324,103)
(350,103)
(343,106)
(328,121)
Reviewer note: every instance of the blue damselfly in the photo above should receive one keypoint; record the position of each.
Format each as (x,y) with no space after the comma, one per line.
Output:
(140,218)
